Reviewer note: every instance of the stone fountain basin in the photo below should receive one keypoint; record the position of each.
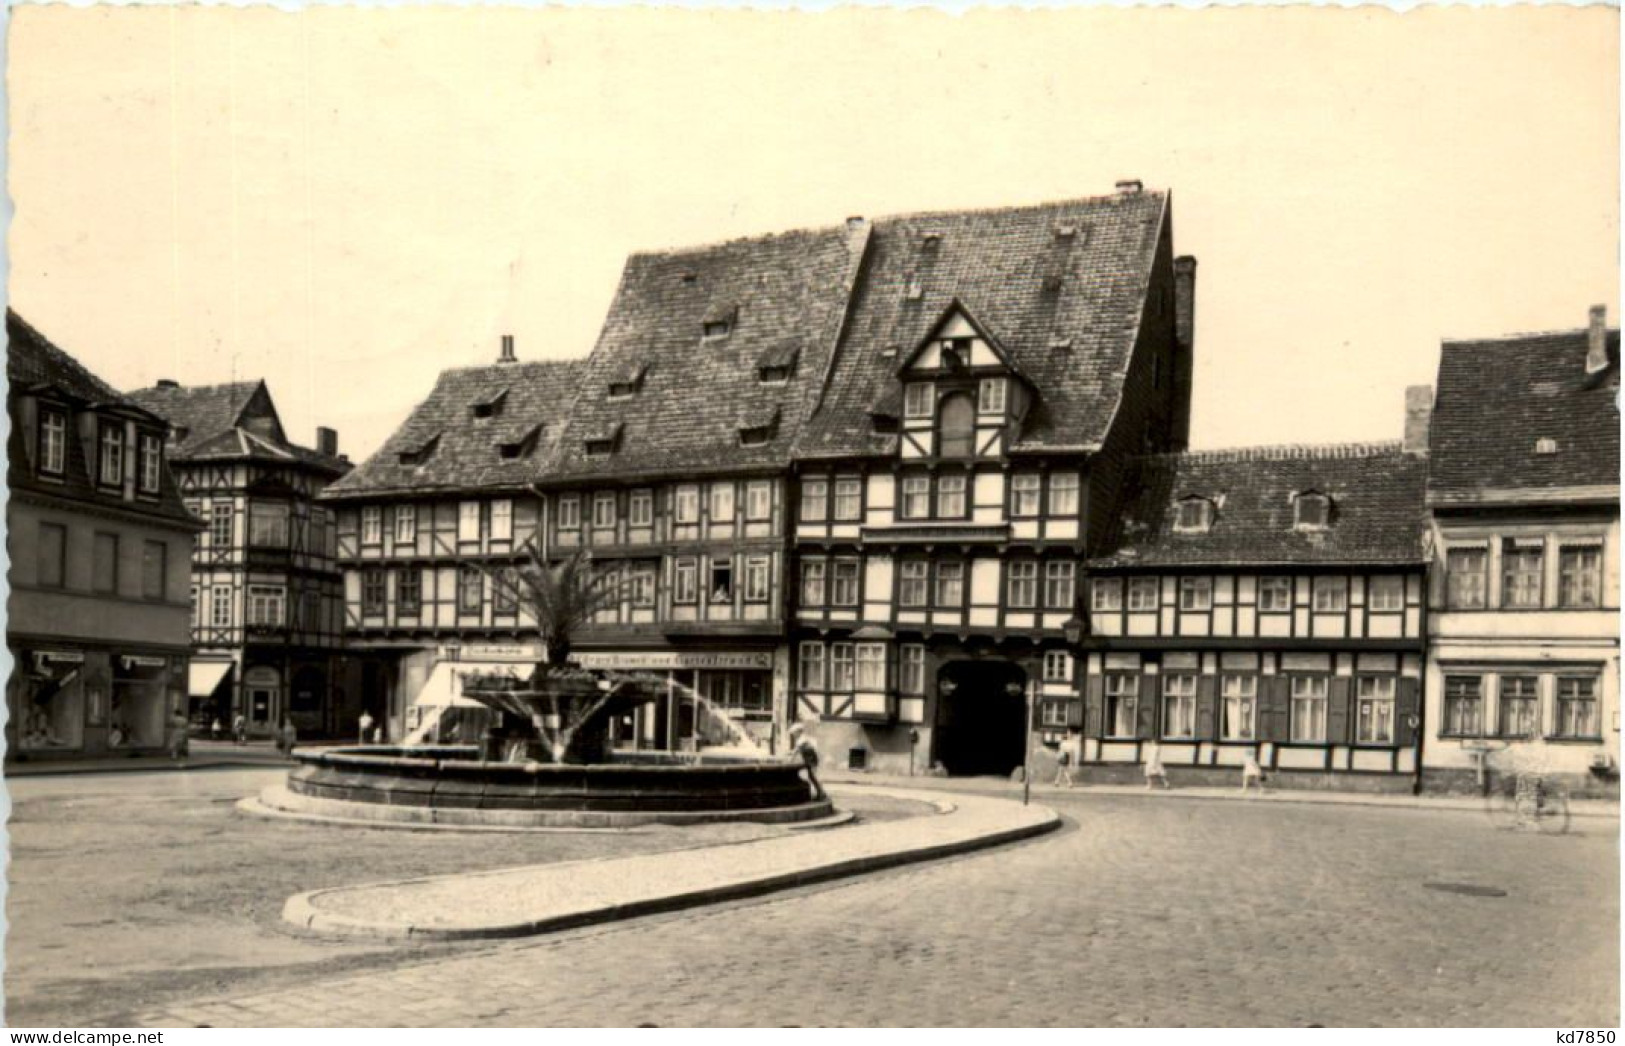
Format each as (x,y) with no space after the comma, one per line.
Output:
(450,784)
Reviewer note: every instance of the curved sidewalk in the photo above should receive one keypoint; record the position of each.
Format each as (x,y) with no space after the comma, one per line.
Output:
(536,899)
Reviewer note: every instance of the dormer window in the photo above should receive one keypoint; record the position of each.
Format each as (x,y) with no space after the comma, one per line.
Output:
(990,399)
(603,442)
(491,406)
(1195,516)
(627,383)
(521,447)
(955,353)
(917,400)
(719,322)
(1312,511)
(757,428)
(777,365)
(774,375)
(110,471)
(914,289)
(152,462)
(756,436)
(421,453)
(1545,445)
(53,442)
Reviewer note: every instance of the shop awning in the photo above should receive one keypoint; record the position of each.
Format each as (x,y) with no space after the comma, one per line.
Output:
(444,687)
(203,677)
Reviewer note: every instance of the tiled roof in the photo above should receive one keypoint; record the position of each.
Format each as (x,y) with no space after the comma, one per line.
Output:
(1075,271)
(200,413)
(35,365)
(1498,397)
(782,298)
(465,450)
(1375,490)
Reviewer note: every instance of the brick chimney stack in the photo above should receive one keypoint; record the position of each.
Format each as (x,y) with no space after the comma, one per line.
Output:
(327,441)
(507,350)
(1418,418)
(1597,340)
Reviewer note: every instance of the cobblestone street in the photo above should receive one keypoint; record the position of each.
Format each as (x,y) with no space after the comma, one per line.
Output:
(1146,911)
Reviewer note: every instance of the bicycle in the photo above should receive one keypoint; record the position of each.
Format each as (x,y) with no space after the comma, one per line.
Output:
(1529,801)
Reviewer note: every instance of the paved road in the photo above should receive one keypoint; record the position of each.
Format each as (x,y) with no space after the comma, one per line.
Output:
(1150,911)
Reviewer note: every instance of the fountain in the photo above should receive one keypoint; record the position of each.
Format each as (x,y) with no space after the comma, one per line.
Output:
(546,759)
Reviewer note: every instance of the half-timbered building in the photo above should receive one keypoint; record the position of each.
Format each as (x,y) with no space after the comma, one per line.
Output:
(1524,498)
(266,626)
(99,541)
(997,370)
(1265,601)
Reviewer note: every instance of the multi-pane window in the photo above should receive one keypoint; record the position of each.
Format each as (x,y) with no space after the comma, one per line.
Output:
(758,499)
(951,496)
(686,504)
(1025,489)
(844,585)
(812,666)
(871,666)
(570,512)
(1374,710)
(1579,576)
(1022,591)
(53,555)
(154,568)
(1577,707)
(917,400)
(840,666)
(640,586)
(640,508)
(1142,593)
(268,524)
(104,563)
(1313,511)
(1308,710)
(814,500)
(911,669)
(152,461)
(502,520)
(1196,593)
(1063,494)
(1274,594)
(1464,574)
(111,470)
(1122,698)
(406,524)
(1463,706)
(1059,584)
(1057,666)
(468,521)
(1387,592)
(603,510)
(265,604)
(722,502)
(1238,707)
(813,579)
(1106,593)
(1520,706)
(848,499)
(220,525)
(1178,705)
(470,590)
(1194,515)
(220,606)
(916,497)
(756,579)
(722,582)
(1053,714)
(990,398)
(950,585)
(1521,571)
(913,580)
(685,580)
(1331,594)
(408,590)
(53,442)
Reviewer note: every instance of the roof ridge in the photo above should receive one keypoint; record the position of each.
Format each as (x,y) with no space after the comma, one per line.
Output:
(1283,452)
(1499,339)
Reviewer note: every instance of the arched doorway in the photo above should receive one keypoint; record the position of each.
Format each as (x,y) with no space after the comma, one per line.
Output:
(981,725)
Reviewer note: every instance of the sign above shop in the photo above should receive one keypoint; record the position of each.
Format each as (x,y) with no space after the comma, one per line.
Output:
(139,661)
(65,657)
(676,659)
(490,652)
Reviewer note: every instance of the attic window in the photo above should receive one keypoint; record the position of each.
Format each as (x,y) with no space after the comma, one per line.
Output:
(627,383)
(757,428)
(521,447)
(716,328)
(777,365)
(688,277)
(603,442)
(955,353)
(890,351)
(1060,343)
(931,239)
(719,322)
(1065,231)
(914,290)
(1195,516)
(491,407)
(1312,511)
(421,453)
(1545,445)
(774,375)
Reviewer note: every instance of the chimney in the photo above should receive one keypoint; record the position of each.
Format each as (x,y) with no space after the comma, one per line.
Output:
(1184,359)
(168,383)
(327,441)
(1130,186)
(1418,418)
(1597,341)
(507,350)
(854,223)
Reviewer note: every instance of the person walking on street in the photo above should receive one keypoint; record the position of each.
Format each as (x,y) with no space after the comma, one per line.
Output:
(366,725)
(1064,760)
(1251,773)
(239,729)
(287,737)
(1154,771)
(179,747)
(214,729)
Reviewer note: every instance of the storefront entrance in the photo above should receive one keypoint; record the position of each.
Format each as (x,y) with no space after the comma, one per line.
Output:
(981,725)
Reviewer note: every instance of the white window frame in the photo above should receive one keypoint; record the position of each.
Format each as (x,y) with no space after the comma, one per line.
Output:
(1456,698)
(990,396)
(1060,584)
(1238,706)
(722,502)
(220,606)
(1138,589)
(1106,594)
(1562,701)
(814,582)
(1179,705)
(1330,594)
(842,667)
(1057,666)
(686,504)
(267,605)
(911,669)
(811,675)
(845,572)
(951,495)
(1385,593)
(1270,587)
(221,524)
(53,452)
(1579,588)
(1459,595)
(640,508)
(603,510)
(1196,593)
(758,500)
(757,574)
(949,574)
(1310,695)
(914,501)
(686,580)
(1122,705)
(814,500)
(406,524)
(1194,516)
(502,520)
(468,521)
(1021,584)
(871,666)
(848,507)
(1026,494)
(569,512)
(152,461)
(110,458)
(913,583)
(1374,704)
(1063,493)
(917,399)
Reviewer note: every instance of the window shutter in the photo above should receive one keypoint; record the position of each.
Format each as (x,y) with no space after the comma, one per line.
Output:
(1274,708)
(1337,709)
(1207,697)
(1147,710)
(1074,712)
(1406,704)
(1095,699)
(1038,714)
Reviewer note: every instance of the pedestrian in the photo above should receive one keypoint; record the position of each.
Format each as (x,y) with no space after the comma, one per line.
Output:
(214,729)
(179,748)
(366,725)
(1252,773)
(1154,771)
(239,729)
(287,737)
(1065,757)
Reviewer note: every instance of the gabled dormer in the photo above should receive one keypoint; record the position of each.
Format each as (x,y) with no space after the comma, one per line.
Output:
(1194,514)
(1311,510)
(963,394)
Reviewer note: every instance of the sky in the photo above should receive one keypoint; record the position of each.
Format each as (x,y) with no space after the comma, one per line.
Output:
(346,201)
